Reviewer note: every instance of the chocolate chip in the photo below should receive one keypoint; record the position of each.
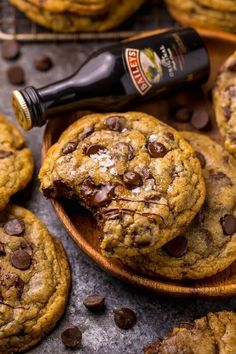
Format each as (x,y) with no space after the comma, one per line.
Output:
(227,112)
(176,247)
(43,62)
(86,132)
(69,148)
(94,149)
(16,75)
(115,123)
(125,318)
(201,158)
(14,227)
(207,235)
(4,154)
(2,249)
(132,179)
(71,337)
(10,50)
(104,195)
(62,189)
(182,114)
(201,120)
(87,190)
(146,174)
(170,136)
(123,149)
(228,223)
(156,149)
(95,303)
(21,259)
(232,65)
(19,287)
(220,177)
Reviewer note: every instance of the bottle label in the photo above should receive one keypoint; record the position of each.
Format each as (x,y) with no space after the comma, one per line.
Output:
(148,68)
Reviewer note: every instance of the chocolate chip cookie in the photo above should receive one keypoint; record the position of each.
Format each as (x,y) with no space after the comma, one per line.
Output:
(16,161)
(208,246)
(81,7)
(35,280)
(221,5)
(224,100)
(214,333)
(138,176)
(68,22)
(191,12)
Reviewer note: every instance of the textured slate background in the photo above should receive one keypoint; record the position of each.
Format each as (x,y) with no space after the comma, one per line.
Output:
(156,315)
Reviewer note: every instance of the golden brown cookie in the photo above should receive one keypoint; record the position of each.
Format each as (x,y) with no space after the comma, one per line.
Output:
(189,12)
(16,161)
(220,5)
(208,246)
(80,7)
(35,280)
(214,333)
(224,101)
(67,22)
(137,175)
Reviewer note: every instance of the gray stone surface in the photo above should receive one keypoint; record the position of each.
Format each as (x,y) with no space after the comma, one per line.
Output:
(156,314)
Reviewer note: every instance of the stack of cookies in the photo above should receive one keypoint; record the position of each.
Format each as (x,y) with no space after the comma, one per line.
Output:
(78,15)
(34,271)
(164,200)
(216,14)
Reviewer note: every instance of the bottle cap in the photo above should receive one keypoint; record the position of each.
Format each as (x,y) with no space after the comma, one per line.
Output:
(21,110)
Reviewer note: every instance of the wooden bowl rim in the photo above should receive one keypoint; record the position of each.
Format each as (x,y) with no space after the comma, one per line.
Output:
(161,286)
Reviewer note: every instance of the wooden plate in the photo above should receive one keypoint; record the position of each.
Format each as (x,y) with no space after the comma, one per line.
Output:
(81,226)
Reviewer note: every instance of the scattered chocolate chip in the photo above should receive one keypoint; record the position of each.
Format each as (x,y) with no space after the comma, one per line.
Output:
(115,123)
(2,249)
(201,158)
(176,247)
(62,190)
(71,337)
(156,149)
(16,75)
(95,303)
(123,149)
(43,62)
(10,50)
(69,148)
(14,227)
(104,195)
(228,223)
(94,149)
(132,179)
(50,192)
(86,132)
(4,154)
(182,114)
(125,318)
(232,65)
(21,260)
(201,120)
(227,112)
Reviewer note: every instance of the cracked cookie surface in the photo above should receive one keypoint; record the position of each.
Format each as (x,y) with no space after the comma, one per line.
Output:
(208,245)
(68,22)
(138,176)
(224,100)
(214,333)
(34,280)
(16,161)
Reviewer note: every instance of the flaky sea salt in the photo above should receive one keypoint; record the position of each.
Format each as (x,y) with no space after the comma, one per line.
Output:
(152,138)
(136,190)
(150,185)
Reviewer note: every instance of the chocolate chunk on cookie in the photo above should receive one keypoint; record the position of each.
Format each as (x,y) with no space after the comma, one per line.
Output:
(35,280)
(208,245)
(123,172)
